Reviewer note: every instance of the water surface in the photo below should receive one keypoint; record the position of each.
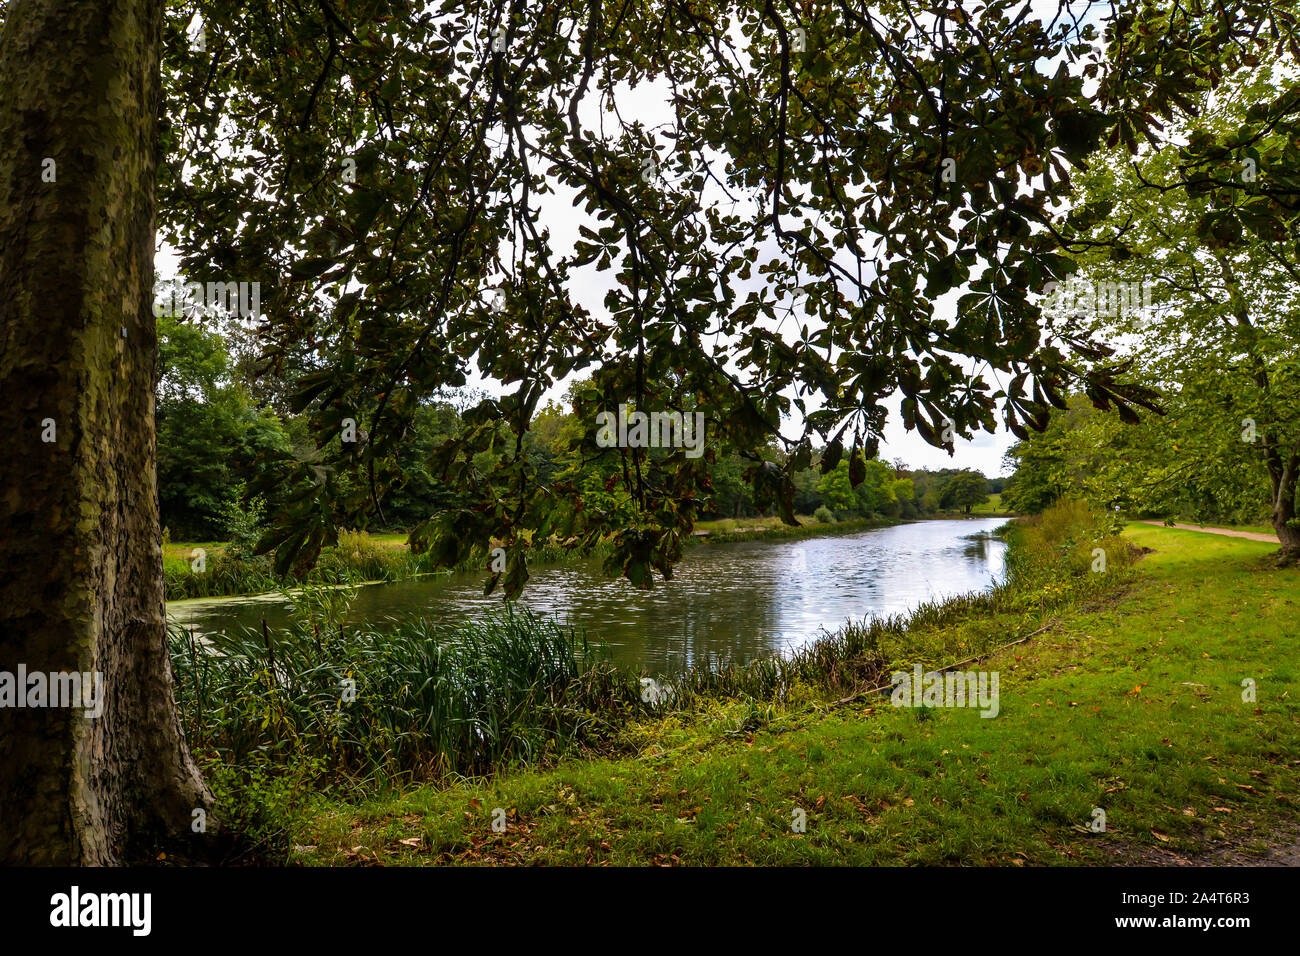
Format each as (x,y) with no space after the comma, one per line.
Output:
(731,601)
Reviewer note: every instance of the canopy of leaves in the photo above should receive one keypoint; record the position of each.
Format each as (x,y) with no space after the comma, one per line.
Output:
(397,177)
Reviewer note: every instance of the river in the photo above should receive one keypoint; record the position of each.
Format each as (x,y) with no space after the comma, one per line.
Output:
(732,601)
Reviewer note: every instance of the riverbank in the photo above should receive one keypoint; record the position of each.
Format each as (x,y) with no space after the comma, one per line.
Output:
(1130,703)
(616,744)
(774,529)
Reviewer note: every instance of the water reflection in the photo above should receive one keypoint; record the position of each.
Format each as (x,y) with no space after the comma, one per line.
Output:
(726,601)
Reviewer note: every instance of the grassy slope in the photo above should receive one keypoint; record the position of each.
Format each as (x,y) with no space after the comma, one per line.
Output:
(1135,708)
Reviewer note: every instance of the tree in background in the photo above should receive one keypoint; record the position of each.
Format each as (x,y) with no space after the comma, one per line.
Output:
(964,490)
(1220,338)
(1058,462)
(212,439)
(873,494)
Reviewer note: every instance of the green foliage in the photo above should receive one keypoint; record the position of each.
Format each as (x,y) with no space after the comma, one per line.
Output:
(408,698)
(1072,549)
(964,490)
(874,489)
(378,242)
(824,515)
(223,575)
(242,524)
(1219,335)
(212,440)
(261,800)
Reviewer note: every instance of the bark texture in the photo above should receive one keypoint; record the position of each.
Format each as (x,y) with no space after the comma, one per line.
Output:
(81,586)
(1284,479)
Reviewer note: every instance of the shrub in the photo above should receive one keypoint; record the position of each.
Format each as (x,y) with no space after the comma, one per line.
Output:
(823,515)
(243,525)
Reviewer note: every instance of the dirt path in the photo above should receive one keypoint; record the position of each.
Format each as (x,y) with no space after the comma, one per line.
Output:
(1283,849)
(1230,532)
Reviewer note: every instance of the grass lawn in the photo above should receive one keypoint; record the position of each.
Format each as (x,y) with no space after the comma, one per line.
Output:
(1134,707)
(181,553)
(1257,528)
(393,540)
(992,506)
(732,525)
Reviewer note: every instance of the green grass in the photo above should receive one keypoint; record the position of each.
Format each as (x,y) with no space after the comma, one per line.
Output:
(757,523)
(401,699)
(357,558)
(178,555)
(1257,528)
(1131,703)
(773,528)
(992,506)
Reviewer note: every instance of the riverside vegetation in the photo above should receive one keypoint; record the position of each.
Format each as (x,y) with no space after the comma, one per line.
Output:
(291,722)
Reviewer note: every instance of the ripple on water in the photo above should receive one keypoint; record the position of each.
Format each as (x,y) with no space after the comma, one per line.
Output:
(736,601)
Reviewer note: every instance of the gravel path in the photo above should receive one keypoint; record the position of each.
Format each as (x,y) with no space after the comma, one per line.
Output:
(1230,532)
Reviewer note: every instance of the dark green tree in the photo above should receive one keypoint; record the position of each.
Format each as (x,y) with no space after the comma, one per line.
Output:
(965,490)
(211,437)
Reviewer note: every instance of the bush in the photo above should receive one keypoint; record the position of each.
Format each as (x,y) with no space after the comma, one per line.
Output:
(243,526)
(1071,546)
(224,575)
(824,516)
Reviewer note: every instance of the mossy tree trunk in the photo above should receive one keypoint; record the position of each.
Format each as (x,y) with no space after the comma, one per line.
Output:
(80,553)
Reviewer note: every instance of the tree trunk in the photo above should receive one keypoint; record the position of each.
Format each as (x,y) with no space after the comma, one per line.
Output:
(80,554)
(1284,510)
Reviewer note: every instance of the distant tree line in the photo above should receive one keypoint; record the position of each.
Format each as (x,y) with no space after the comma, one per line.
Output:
(225,426)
